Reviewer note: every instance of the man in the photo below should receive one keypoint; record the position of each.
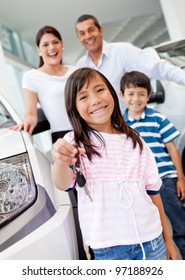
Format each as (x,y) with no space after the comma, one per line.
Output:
(114,59)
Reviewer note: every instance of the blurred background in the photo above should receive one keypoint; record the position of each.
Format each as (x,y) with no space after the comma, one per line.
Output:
(142,22)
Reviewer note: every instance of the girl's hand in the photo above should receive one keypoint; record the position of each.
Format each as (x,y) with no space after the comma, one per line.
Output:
(65,153)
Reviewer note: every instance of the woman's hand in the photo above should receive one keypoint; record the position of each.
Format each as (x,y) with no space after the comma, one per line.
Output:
(28,125)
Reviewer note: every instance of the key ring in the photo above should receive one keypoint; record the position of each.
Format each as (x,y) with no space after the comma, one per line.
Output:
(80,178)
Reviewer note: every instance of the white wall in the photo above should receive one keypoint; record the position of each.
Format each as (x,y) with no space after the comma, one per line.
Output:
(5,87)
(173,11)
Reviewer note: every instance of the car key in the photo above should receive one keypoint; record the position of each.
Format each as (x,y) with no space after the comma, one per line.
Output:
(81,181)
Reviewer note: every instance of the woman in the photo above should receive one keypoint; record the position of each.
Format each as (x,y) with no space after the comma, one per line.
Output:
(45,85)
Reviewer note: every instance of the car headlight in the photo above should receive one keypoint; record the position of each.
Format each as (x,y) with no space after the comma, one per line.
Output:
(17,187)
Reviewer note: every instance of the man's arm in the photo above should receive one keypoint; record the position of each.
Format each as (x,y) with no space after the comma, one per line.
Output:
(158,68)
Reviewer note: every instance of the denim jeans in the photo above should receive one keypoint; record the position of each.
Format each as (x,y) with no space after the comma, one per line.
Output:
(174,210)
(154,250)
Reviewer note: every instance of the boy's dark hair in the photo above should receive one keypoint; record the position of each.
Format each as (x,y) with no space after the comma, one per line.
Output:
(87,17)
(135,79)
(46,30)
(81,130)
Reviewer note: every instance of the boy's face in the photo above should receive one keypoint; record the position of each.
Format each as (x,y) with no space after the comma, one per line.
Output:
(136,99)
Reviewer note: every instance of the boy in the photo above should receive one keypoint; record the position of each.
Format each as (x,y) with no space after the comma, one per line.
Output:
(159,133)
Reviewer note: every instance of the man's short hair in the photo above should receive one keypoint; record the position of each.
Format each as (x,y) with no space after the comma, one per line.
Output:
(87,17)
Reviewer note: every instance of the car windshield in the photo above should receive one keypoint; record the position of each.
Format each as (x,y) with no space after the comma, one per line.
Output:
(174,52)
(5,118)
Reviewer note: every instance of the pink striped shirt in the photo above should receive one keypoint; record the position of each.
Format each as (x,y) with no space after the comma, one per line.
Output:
(122,213)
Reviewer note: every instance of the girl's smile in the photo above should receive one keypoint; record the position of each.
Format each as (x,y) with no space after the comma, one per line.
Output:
(99,110)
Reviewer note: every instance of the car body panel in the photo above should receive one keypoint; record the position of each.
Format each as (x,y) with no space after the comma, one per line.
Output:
(173,106)
(11,143)
(46,228)
(53,240)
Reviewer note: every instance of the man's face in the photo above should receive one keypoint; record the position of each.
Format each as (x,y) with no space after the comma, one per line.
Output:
(89,35)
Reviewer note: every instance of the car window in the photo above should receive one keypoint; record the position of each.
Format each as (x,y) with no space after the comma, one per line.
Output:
(5,118)
(174,52)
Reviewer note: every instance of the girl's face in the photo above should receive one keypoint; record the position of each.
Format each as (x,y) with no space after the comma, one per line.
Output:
(95,104)
(50,48)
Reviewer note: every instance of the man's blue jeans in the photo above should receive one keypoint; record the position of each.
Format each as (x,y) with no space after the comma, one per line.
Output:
(175,212)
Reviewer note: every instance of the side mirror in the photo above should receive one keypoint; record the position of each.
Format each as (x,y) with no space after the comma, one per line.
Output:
(158,95)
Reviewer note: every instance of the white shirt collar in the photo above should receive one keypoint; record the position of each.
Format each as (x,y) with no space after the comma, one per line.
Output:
(141,117)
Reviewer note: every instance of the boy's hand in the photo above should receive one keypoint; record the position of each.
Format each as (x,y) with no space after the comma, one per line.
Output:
(171,251)
(181,188)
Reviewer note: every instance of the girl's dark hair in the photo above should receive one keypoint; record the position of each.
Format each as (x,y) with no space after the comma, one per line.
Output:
(87,17)
(135,79)
(46,30)
(82,131)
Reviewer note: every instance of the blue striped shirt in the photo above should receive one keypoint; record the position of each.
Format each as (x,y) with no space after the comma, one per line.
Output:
(156,130)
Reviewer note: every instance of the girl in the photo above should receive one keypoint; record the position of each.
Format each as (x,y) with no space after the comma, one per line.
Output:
(125,219)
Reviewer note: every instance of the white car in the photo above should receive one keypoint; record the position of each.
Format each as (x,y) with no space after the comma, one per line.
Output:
(169,97)
(36,220)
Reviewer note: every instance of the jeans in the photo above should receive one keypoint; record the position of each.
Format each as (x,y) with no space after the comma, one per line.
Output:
(174,210)
(154,250)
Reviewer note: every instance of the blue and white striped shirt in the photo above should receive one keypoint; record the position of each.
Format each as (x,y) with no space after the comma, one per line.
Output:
(156,130)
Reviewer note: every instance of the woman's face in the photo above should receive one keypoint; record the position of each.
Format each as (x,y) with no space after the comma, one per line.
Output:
(95,104)
(50,48)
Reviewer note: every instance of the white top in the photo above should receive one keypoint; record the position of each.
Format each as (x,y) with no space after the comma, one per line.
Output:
(50,92)
(119,58)
(122,212)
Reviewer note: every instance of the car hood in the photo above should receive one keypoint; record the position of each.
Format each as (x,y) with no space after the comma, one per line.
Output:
(11,143)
